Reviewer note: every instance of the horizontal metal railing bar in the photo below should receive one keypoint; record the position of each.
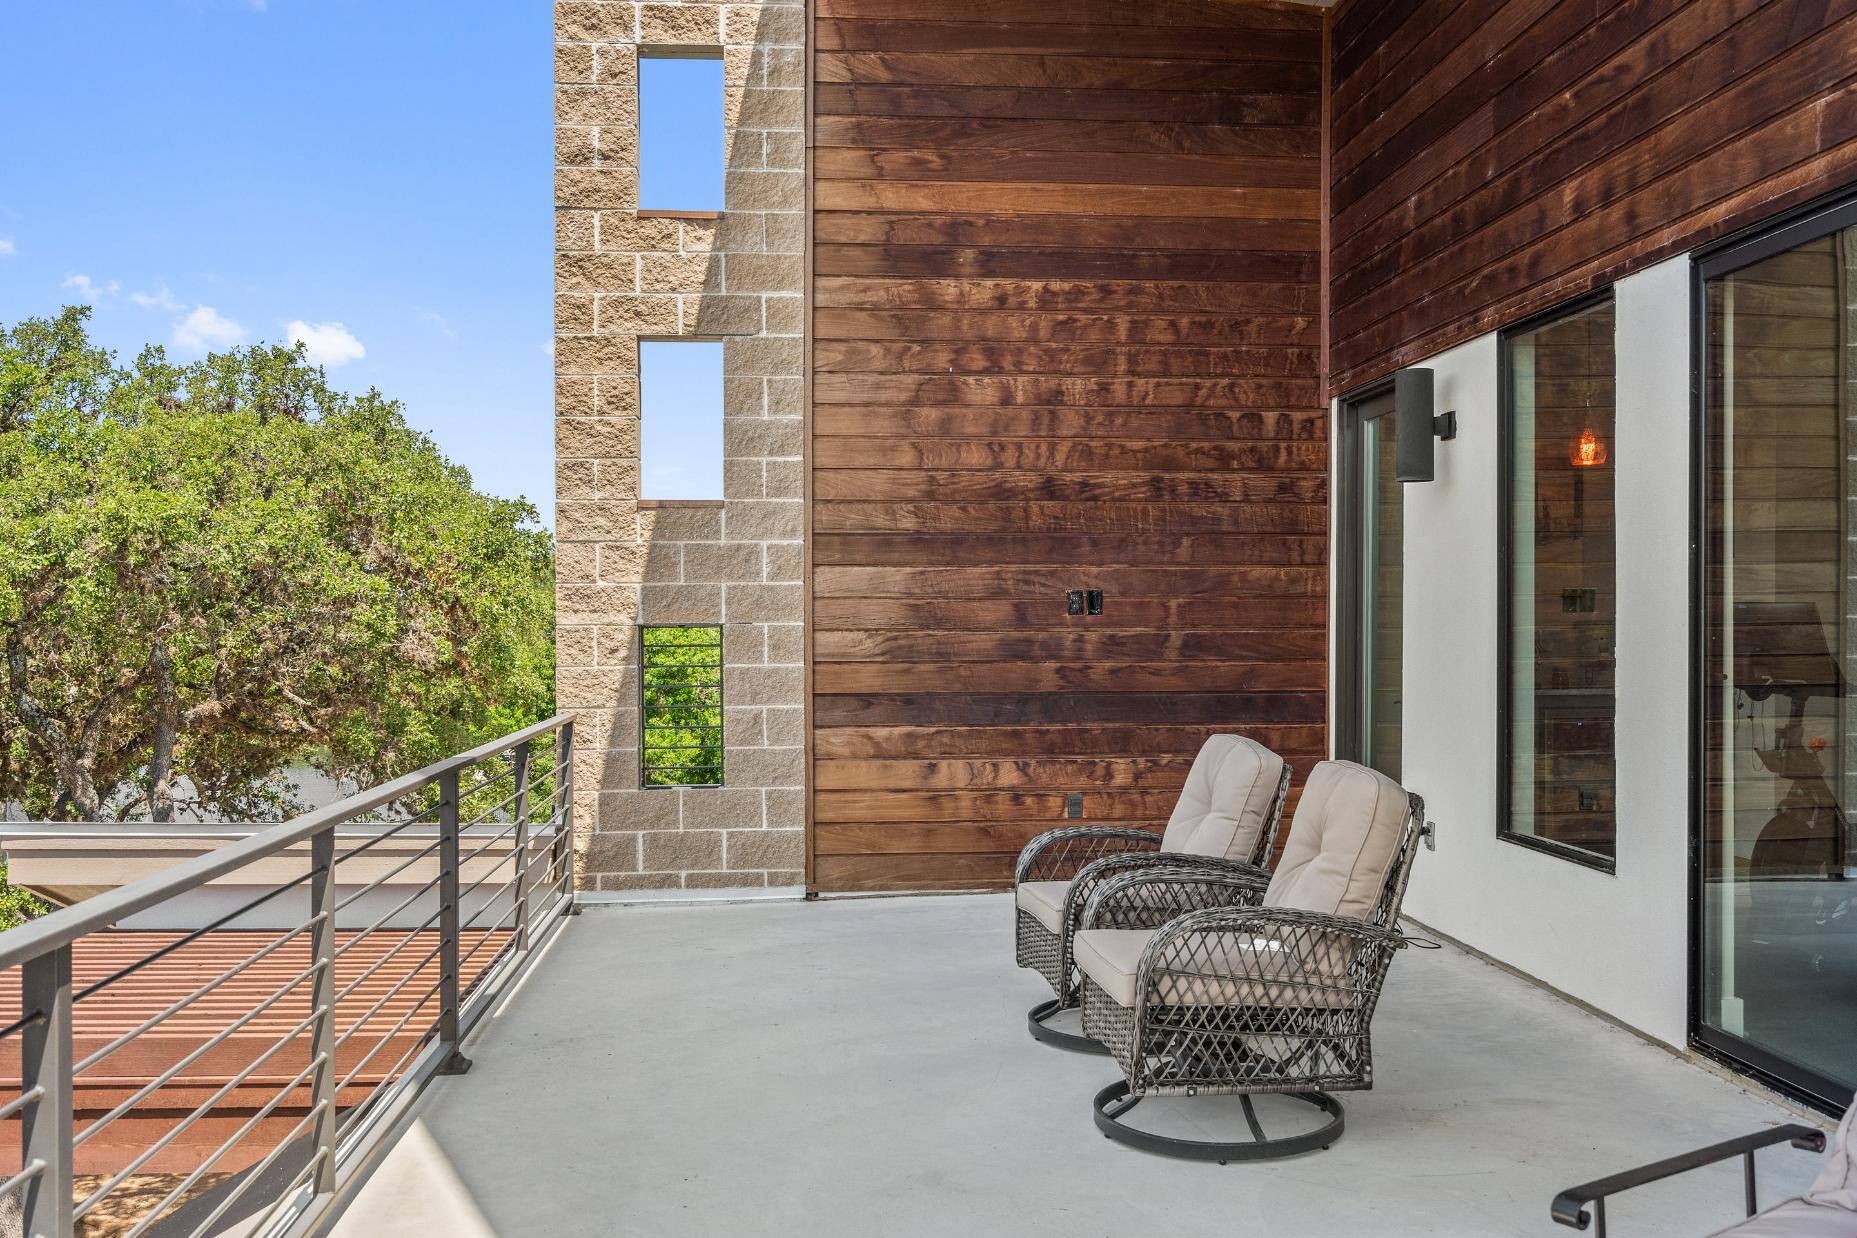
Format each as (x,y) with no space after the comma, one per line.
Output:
(494,839)
(200,992)
(428,888)
(285,1196)
(19,1102)
(36,1168)
(388,957)
(685,726)
(354,1029)
(155,1213)
(255,1174)
(489,934)
(366,975)
(62,927)
(30,1019)
(173,1072)
(390,874)
(142,1158)
(378,839)
(388,1038)
(153,956)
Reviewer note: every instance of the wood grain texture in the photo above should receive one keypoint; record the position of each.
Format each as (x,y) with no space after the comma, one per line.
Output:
(1495,157)
(1066,324)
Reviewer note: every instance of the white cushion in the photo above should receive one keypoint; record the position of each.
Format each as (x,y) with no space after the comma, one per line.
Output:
(1112,957)
(1343,841)
(1796,1218)
(1045,901)
(1837,1181)
(1226,803)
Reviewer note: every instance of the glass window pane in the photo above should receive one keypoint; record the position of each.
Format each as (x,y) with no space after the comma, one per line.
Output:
(1383,572)
(680,157)
(1561,595)
(1779,881)
(680,412)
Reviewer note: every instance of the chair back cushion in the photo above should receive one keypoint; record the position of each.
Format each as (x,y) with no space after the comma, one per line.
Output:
(1343,842)
(1837,1182)
(1226,804)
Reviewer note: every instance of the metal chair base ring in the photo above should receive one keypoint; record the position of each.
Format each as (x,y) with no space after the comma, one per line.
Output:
(1042,1032)
(1114,1101)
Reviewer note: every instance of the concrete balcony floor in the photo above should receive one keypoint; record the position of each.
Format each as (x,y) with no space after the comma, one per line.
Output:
(861,1068)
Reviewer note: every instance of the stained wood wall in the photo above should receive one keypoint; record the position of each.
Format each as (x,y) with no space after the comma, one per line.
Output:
(1492,157)
(1065,317)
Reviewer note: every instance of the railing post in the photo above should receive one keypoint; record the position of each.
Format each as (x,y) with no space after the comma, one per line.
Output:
(564,831)
(322,1004)
(45,1063)
(455,1063)
(519,760)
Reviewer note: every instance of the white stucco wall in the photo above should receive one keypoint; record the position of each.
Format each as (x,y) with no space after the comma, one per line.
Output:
(1618,941)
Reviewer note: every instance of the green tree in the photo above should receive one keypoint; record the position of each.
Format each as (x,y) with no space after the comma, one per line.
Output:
(682,723)
(209,572)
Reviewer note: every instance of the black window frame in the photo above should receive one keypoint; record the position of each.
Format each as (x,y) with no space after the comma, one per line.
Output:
(1351,687)
(1505,578)
(645,708)
(1754,244)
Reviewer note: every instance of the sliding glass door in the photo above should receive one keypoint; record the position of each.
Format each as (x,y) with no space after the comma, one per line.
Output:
(1777,880)
(1371,649)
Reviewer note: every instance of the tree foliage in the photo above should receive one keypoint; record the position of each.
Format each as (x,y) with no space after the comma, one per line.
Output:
(211,571)
(682,723)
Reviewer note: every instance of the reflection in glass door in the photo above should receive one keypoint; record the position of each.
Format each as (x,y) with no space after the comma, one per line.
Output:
(1371,631)
(1778,867)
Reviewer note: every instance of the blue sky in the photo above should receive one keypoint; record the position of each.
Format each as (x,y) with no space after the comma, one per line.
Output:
(375,172)
(680,134)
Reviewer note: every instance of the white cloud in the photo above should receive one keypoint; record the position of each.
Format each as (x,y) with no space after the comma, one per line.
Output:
(7,248)
(325,343)
(438,322)
(205,329)
(89,289)
(160,299)
(549,348)
(257,6)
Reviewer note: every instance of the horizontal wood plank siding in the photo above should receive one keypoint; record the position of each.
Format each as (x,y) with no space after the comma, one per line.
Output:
(1494,157)
(1066,334)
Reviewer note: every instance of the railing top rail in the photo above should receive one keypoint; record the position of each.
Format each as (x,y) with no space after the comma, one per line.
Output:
(37,831)
(61,928)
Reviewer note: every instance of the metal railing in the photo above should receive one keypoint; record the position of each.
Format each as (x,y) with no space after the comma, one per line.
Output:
(309,1108)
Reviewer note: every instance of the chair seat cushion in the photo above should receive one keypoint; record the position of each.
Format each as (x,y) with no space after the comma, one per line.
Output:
(1110,958)
(1044,901)
(1272,976)
(1796,1218)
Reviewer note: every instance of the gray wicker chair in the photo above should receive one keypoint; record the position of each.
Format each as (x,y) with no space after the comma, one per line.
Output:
(1225,823)
(1272,992)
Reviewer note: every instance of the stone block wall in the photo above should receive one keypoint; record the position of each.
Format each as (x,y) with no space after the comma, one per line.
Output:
(622,274)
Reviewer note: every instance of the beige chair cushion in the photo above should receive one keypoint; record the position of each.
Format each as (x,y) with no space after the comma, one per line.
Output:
(1342,843)
(1112,957)
(1796,1218)
(1226,803)
(1045,901)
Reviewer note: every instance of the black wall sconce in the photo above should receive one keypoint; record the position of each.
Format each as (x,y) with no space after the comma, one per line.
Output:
(1416,426)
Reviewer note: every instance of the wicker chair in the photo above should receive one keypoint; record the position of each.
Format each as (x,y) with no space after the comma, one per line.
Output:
(1225,822)
(1273,992)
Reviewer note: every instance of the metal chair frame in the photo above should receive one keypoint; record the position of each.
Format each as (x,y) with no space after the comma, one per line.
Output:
(1241,999)
(1090,856)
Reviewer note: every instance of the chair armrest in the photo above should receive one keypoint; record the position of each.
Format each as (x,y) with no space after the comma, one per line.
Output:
(1569,1207)
(1149,895)
(1267,956)
(1058,855)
